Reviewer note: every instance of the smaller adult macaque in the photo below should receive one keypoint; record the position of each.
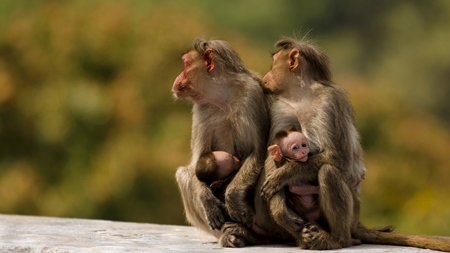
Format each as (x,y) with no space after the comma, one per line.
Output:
(216,168)
(304,94)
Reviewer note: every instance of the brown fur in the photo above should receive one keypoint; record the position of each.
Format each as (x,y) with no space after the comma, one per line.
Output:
(304,94)
(229,114)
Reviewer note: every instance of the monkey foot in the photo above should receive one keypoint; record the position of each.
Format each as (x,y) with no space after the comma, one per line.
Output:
(310,234)
(236,235)
(233,235)
(315,238)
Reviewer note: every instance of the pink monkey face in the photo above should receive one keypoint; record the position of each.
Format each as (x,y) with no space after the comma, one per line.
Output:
(295,147)
(186,84)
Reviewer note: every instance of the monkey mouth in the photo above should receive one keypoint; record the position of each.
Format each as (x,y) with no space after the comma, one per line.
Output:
(177,93)
(303,159)
(183,94)
(180,94)
(196,97)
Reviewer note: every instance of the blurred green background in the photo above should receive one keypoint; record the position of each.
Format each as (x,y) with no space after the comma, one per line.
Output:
(89,128)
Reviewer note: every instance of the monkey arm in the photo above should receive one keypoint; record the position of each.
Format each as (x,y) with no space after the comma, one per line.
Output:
(277,180)
(291,173)
(236,194)
(212,206)
(285,216)
(251,139)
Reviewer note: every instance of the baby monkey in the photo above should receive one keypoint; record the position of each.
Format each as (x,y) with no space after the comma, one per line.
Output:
(293,146)
(216,168)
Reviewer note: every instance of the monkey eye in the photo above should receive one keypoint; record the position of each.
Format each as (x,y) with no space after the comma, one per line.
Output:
(295,147)
(304,145)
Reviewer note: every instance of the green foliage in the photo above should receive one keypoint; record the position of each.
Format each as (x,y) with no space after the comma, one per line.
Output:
(89,128)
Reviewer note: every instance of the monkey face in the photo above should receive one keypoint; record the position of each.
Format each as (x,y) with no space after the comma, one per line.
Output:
(186,85)
(270,79)
(277,77)
(295,147)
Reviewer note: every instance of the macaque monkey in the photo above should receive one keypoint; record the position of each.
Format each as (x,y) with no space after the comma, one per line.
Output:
(216,168)
(229,114)
(304,96)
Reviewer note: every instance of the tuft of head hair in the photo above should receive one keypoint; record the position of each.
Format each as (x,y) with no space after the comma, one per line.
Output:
(279,136)
(206,168)
(284,133)
(225,55)
(317,61)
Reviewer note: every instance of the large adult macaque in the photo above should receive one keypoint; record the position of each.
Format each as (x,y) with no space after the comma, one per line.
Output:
(229,114)
(300,83)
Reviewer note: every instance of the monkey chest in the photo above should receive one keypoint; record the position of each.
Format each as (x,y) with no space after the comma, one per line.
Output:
(222,131)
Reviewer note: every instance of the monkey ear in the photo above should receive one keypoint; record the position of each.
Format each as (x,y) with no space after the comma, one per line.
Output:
(294,59)
(275,152)
(209,59)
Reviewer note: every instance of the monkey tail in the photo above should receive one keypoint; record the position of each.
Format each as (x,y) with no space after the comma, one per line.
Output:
(385,237)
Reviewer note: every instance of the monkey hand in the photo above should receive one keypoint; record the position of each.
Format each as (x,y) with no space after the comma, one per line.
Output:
(214,210)
(238,209)
(271,186)
(215,216)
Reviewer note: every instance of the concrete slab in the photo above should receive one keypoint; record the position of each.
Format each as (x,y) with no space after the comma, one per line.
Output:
(29,234)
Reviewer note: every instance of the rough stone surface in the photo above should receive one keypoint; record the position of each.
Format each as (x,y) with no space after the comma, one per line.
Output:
(60,235)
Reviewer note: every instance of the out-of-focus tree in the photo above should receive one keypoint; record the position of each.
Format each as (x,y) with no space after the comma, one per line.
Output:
(88,126)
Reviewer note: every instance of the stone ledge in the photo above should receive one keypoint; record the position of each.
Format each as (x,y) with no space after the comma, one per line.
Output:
(29,234)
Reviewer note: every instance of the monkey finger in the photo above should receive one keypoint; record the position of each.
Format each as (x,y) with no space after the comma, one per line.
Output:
(298,223)
(215,219)
(215,213)
(216,224)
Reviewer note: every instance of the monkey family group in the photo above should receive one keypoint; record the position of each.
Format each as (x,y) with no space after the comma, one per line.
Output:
(275,159)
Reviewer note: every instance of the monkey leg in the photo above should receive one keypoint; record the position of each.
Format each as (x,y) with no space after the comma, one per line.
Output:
(286,218)
(236,195)
(337,205)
